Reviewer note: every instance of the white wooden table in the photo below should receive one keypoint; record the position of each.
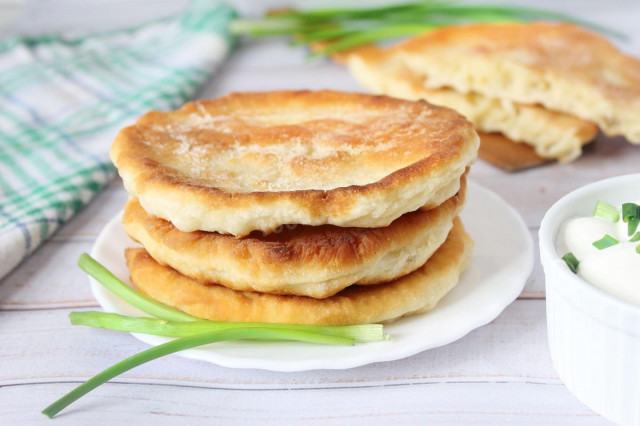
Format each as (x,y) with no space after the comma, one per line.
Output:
(500,373)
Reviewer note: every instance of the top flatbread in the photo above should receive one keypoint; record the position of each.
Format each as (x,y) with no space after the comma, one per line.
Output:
(255,161)
(561,66)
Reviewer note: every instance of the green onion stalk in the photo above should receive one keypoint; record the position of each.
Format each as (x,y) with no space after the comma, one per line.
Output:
(360,333)
(339,29)
(128,294)
(190,332)
(174,323)
(184,344)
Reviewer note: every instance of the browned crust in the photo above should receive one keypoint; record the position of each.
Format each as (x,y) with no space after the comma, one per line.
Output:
(316,261)
(448,138)
(418,291)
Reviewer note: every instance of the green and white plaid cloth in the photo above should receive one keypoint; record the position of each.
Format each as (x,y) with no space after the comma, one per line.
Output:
(63,100)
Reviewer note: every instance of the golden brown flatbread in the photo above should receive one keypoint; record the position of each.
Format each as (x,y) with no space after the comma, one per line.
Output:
(314,261)
(418,291)
(561,66)
(255,161)
(553,135)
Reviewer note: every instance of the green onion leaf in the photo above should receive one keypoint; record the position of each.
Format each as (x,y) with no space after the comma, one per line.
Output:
(129,295)
(605,242)
(183,344)
(630,211)
(606,211)
(633,225)
(369,36)
(635,238)
(349,27)
(571,261)
(631,215)
(360,333)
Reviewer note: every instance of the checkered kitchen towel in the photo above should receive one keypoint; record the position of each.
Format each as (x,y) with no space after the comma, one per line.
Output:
(63,100)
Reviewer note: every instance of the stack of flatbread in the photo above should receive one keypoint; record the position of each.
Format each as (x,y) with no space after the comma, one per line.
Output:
(546,86)
(297,207)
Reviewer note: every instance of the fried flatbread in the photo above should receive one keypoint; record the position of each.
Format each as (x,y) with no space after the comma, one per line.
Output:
(418,291)
(561,66)
(553,135)
(255,161)
(314,261)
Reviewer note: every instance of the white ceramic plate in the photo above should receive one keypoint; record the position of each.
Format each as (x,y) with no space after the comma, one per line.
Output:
(501,263)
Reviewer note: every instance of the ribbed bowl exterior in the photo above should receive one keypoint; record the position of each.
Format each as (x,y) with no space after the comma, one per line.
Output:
(594,338)
(598,363)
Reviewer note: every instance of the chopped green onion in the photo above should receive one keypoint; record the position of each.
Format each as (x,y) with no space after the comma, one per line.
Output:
(631,215)
(605,242)
(183,344)
(630,211)
(606,211)
(633,225)
(571,261)
(635,238)
(360,333)
(638,249)
(129,295)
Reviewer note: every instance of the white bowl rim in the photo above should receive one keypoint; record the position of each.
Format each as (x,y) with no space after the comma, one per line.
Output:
(547,244)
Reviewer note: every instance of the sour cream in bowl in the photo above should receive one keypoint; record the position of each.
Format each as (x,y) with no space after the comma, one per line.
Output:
(593,315)
(607,248)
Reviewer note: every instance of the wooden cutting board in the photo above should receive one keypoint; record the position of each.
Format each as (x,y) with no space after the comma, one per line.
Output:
(496,149)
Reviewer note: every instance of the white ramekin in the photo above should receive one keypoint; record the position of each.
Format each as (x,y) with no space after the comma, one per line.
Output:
(594,337)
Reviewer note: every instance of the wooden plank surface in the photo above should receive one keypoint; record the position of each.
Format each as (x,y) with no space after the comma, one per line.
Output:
(521,329)
(475,376)
(500,373)
(435,403)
